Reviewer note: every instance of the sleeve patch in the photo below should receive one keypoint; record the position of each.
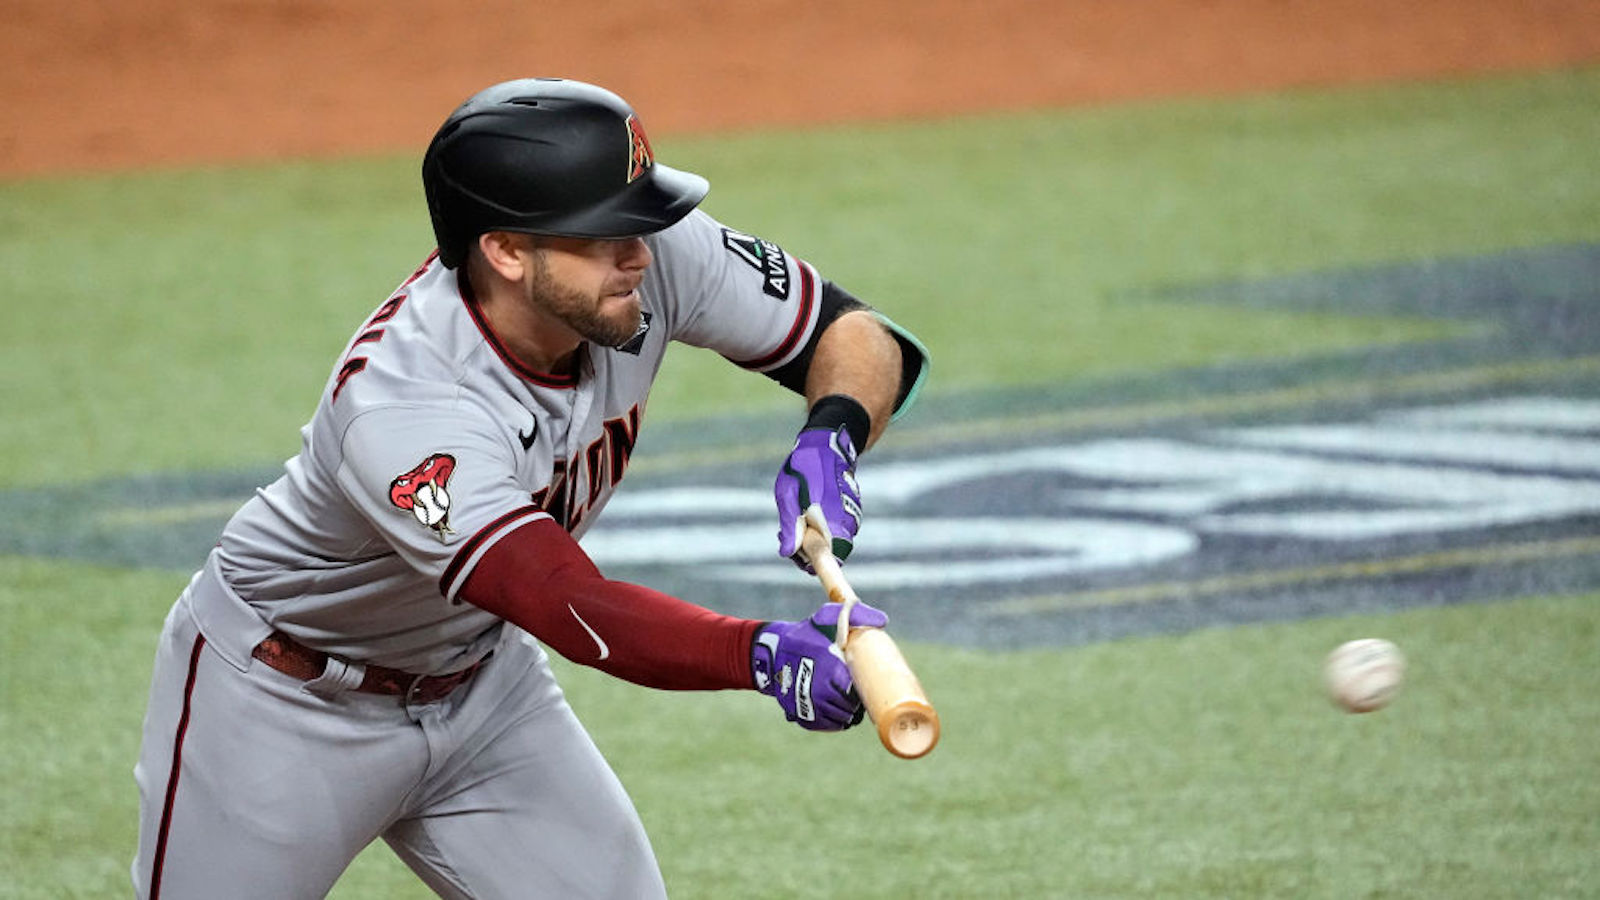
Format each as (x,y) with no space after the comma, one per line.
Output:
(765,257)
(423,491)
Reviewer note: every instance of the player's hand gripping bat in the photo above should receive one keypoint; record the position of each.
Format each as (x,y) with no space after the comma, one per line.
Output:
(907,723)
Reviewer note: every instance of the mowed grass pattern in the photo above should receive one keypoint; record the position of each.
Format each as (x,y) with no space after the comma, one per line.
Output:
(186,320)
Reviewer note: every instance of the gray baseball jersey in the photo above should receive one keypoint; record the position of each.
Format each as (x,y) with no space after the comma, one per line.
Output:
(429,445)
(431,442)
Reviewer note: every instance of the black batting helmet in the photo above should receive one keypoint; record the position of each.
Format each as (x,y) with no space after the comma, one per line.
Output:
(548,156)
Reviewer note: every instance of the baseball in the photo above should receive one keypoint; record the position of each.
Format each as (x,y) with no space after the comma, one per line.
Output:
(1364,675)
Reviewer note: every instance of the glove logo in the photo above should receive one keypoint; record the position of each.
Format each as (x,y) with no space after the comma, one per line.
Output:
(802,692)
(640,156)
(422,491)
(761,663)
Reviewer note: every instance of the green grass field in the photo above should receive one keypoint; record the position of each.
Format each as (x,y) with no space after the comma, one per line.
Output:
(178,321)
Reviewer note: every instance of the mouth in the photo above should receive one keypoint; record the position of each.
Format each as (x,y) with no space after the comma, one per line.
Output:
(632,290)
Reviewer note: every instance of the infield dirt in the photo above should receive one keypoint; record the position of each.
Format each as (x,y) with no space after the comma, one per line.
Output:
(95,87)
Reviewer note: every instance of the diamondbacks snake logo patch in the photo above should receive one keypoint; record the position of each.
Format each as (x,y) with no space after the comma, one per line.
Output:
(424,492)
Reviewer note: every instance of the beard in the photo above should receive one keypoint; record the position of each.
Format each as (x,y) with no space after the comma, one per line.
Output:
(608,321)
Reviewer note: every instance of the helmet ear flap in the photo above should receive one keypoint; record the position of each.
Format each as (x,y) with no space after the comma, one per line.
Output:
(548,156)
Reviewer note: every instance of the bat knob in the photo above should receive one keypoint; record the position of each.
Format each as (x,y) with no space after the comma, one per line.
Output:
(908,729)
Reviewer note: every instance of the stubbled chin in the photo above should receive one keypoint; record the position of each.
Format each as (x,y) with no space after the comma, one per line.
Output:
(622,308)
(621,312)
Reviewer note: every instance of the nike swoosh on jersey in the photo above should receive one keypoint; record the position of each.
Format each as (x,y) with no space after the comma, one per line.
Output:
(527,439)
(604,650)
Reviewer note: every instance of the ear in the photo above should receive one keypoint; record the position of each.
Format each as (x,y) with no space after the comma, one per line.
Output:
(506,253)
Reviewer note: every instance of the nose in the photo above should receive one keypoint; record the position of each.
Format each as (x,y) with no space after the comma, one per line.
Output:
(633,254)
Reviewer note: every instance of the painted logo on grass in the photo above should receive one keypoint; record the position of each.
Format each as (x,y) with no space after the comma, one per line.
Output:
(1450,471)
(1131,509)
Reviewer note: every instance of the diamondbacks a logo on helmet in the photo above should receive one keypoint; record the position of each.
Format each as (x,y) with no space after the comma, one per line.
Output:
(640,156)
(423,491)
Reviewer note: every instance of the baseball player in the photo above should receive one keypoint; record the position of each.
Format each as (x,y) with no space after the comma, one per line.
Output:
(360,655)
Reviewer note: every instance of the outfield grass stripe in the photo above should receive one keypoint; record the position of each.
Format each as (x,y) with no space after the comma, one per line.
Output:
(1296,577)
(1014,427)
(178,514)
(913,436)
(1258,402)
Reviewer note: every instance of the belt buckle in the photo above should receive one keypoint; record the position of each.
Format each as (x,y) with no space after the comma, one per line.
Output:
(414,691)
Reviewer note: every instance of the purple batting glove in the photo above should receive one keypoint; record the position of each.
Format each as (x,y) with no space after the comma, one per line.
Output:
(797,663)
(820,471)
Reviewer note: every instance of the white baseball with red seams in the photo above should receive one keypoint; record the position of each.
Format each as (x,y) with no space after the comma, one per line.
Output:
(1364,675)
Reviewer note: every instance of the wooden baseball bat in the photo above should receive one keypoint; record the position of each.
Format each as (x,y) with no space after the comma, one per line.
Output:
(907,724)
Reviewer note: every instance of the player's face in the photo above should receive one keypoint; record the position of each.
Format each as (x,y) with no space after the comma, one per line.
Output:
(590,285)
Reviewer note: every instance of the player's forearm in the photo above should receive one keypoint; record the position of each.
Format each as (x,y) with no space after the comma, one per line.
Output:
(650,638)
(857,357)
(540,580)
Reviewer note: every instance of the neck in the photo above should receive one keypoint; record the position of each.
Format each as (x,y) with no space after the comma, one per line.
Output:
(534,339)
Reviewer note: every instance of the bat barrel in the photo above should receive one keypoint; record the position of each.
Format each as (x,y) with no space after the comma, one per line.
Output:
(907,724)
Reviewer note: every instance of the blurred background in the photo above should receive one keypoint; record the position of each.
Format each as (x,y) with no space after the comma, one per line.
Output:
(1257,326)
(100,85)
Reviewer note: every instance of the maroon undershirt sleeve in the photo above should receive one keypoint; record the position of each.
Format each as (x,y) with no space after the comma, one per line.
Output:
(538,578)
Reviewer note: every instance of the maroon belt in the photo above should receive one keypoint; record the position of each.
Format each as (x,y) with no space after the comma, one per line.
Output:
(296,660)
